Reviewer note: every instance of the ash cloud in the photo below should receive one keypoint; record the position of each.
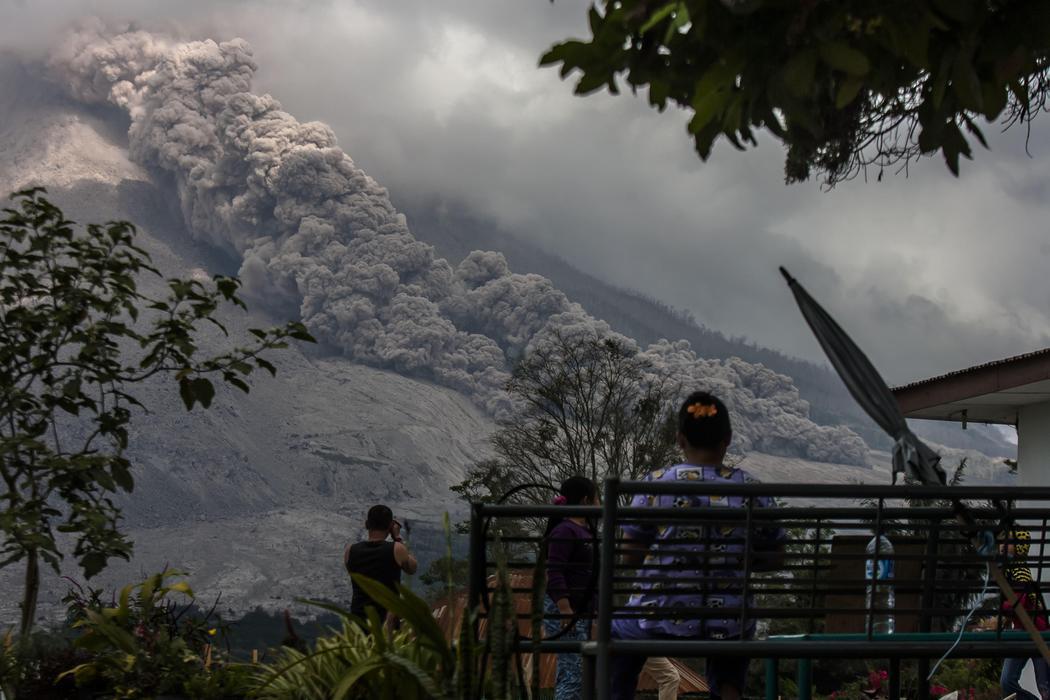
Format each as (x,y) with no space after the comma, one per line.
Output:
(314,229)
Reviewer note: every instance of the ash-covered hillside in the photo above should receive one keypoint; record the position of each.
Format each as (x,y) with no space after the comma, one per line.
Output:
(312,231)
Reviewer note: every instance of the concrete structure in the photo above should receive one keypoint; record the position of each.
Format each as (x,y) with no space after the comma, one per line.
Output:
(1014,391)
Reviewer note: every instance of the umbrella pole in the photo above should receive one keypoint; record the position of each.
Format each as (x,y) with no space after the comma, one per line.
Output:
(1004,586)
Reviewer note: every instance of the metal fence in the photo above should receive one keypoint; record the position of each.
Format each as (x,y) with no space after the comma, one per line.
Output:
(809,599)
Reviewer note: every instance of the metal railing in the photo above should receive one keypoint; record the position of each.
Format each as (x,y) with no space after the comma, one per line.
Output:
(807,600)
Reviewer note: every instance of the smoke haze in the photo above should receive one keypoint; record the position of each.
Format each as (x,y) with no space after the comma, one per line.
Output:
(312,228)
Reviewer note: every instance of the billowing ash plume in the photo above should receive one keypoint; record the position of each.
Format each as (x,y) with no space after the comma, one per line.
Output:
(312,228)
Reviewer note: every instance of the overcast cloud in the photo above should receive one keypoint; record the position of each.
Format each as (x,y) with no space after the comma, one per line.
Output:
(444,99)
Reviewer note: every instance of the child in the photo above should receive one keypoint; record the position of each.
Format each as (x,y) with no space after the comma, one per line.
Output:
(570,566)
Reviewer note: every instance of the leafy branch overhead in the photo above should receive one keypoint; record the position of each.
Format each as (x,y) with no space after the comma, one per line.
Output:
(843,85)
(76,336)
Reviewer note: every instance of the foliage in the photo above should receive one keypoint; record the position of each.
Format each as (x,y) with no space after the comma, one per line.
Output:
(146,645)
(448,571)
(843,85)
(589,406)
(29,666)
(973,678)
(366,659)
(76,335)
(9,664)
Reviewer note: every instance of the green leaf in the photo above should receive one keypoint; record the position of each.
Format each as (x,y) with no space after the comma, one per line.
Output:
(848,90)
(189,398)
(93,563)
(203,391)
(705,110)
(958,10)
(411,609)
(799,73)
(659,16)
(843,57)
(994,97)
(121,473)
(238,383)
(940,79)
(264,364)
(967,85)
(355,674)
(570,53)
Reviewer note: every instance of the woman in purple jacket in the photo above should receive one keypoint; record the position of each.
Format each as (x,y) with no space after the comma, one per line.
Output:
(570,563)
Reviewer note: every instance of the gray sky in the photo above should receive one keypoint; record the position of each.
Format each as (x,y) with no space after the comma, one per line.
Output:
(443,98)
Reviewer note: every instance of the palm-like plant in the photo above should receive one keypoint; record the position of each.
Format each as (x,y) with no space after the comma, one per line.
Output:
(366,659)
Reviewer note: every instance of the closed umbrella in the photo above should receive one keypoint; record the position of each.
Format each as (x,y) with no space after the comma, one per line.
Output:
(911,456)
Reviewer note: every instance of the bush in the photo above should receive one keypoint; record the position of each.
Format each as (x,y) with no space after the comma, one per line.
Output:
(366,660)
(147,645)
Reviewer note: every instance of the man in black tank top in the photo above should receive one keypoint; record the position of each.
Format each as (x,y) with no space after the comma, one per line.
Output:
(378,558)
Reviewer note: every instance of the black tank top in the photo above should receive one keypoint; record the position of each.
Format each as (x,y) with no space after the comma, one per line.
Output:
(376,561)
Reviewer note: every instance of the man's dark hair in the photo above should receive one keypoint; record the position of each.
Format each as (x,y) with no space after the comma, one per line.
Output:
(379,518)
(704,421)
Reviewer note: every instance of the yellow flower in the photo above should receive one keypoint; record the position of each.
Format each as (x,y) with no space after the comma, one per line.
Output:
(212,632)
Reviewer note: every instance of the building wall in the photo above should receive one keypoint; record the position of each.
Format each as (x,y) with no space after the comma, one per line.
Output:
(1033,452)
(1033,445)
(1033,466)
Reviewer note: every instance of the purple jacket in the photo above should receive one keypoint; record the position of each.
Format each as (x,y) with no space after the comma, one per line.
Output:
(570,561)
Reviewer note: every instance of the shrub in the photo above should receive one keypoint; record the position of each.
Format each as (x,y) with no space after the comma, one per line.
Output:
(147,645)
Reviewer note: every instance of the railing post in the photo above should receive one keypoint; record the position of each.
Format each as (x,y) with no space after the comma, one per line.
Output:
(607,565)
(895,678)
(929,581)
(772,678)
(477,558)
(805,679)
(748,545)
(870,583)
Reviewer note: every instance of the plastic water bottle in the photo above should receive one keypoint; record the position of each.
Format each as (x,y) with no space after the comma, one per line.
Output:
(880,591)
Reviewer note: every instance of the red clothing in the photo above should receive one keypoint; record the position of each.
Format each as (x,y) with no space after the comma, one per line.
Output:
(1031,603)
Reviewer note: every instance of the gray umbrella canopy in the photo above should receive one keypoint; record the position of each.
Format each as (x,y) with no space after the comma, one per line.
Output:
(911,456)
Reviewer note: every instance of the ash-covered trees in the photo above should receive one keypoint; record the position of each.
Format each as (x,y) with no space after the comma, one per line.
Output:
(77,338)
(844,85)
(588,404)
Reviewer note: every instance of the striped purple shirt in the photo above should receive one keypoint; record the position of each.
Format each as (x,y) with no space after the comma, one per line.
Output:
(677,560)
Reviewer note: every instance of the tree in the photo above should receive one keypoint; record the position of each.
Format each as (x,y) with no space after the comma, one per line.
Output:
(589,406)
(76,337)
(844,85)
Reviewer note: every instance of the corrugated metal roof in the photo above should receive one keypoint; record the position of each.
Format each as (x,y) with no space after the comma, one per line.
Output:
(975,368)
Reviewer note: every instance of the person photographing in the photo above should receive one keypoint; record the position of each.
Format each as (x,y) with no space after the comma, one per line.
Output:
(382,557)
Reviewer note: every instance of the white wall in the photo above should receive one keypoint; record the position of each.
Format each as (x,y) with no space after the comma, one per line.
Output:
(1033,465)
(1033,445)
